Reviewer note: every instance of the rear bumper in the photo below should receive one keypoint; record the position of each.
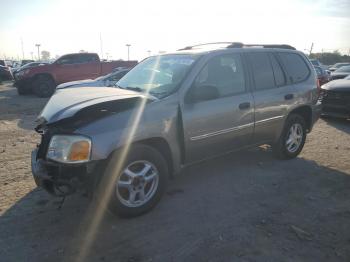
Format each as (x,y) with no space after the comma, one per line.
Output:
(336,104)
(336,111)
(316,113)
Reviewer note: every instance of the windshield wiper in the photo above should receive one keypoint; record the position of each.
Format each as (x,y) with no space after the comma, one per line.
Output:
(137,89)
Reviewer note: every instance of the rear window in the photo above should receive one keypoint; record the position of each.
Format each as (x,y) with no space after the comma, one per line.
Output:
(262,69)
(296,67)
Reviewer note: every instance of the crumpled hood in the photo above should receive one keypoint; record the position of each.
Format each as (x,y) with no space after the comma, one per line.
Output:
(67,102)
(79,82)
(338,85)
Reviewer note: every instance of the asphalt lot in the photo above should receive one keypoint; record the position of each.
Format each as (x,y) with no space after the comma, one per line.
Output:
(246,206)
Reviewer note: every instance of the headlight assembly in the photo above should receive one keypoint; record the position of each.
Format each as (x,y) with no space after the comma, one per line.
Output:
(69,149)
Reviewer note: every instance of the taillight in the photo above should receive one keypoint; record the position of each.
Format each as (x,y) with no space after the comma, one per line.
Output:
(318,83)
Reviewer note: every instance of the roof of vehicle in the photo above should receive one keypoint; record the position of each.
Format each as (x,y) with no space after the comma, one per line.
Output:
(217,46)
(80,54)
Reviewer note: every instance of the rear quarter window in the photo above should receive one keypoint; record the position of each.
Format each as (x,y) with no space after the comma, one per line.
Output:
(296,67)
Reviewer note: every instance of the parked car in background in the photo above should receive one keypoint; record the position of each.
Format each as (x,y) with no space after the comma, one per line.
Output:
(28,65)
(5,73)
(107,80)
(335,98)
(44,79)
(171,111)
(24,62)
(322,76)
(316,62)
(337,66)
(341,72)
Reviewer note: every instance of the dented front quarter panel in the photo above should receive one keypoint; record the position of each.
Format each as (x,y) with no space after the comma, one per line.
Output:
(158,119)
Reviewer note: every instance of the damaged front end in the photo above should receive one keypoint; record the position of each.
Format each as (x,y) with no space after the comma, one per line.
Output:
(57,177)
(62,162)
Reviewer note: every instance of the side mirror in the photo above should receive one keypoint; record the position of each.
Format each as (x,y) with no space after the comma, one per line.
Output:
(203,93)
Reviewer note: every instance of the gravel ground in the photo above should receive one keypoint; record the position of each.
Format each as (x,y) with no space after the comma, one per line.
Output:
(246,206)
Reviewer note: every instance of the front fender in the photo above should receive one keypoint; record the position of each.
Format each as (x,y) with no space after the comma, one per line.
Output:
(157,120)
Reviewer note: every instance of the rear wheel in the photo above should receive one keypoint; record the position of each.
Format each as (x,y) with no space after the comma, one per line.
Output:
(44,86)
(139,184)
(292,139)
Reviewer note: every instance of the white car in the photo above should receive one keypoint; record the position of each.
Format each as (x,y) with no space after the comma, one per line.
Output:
(107,80)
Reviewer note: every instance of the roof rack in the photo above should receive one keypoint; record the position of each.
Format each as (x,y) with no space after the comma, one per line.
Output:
(272,46)
(239,45)
(213,43)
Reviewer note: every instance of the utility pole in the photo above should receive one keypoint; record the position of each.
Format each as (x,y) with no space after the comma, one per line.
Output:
(101,46)
(312,46)
(128,45)
(38,46)
(22,48)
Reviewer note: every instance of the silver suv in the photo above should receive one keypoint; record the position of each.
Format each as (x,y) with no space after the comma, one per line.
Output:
(122,143)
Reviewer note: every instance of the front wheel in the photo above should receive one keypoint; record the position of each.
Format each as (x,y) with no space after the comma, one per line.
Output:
(137,187)
(292,139)
(44,86)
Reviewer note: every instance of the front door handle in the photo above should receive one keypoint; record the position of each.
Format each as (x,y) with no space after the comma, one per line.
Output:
(289,97)
(244,105)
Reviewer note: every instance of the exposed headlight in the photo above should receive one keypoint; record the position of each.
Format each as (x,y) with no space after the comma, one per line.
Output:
(69,149)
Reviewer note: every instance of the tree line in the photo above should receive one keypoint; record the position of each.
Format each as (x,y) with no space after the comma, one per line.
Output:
(330,58)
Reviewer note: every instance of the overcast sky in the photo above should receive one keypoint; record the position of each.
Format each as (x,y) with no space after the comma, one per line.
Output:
(158,25)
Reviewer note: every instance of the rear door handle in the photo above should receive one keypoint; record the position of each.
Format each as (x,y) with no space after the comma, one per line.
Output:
(244,105)
(289,97)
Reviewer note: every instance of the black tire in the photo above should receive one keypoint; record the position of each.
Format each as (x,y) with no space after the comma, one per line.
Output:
(280,147)
(138,152)
(23,91)
(44,86)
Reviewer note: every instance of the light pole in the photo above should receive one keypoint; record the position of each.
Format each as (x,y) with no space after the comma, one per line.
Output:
(128,45)
(38,46)
(31,53)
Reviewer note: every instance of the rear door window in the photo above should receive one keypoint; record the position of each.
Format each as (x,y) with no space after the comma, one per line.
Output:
(262,70)
(296,67)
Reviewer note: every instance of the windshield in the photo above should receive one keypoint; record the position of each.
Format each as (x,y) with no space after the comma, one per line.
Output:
(158,75)
(344,69)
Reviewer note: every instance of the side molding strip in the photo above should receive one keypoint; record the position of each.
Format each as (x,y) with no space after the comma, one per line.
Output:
(220,132)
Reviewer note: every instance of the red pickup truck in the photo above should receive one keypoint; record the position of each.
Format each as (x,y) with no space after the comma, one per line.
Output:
(42,80)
